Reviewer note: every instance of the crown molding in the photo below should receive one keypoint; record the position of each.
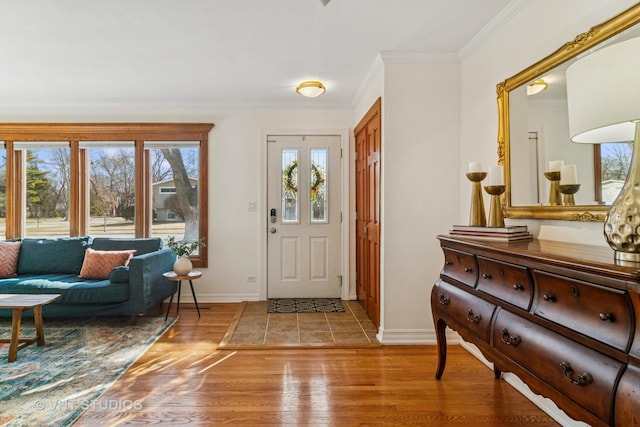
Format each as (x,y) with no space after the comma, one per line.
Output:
(509,11)
(416,57)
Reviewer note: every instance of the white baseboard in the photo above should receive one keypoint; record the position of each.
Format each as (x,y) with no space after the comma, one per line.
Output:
(412,336)
(203,298)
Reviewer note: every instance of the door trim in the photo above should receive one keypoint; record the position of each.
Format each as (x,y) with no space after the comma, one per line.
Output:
(348,289)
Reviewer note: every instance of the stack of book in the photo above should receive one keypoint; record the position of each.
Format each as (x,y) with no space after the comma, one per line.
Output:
(505,234)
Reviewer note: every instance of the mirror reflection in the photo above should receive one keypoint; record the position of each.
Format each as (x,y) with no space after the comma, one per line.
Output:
(539,136)
(534,135)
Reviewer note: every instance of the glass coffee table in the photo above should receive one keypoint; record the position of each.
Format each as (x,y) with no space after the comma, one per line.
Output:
(19,303)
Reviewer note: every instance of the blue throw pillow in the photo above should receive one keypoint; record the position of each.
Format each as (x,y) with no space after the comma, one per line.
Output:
(43,256)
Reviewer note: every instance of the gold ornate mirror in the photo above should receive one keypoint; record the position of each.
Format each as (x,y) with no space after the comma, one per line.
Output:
(533,133)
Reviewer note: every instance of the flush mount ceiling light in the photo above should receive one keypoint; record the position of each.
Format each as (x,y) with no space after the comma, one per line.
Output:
(537,87)
(310,89)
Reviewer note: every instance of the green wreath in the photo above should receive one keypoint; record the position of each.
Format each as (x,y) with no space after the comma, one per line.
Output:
(290,175)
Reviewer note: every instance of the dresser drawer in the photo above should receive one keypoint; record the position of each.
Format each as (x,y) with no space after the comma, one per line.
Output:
(510,283)
(460,266)
(605,314)
(584,375)
(467,311)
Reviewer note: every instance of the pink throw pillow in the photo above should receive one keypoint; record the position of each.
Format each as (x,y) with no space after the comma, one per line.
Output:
(9,252)
(98,264)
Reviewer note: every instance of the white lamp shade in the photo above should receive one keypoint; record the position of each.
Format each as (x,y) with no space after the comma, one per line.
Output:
(603,91)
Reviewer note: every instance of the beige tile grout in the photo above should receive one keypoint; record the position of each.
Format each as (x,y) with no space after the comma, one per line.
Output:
(359,324)
(269,320)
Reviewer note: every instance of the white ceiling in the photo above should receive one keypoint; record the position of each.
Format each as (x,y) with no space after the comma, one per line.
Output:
(219,52)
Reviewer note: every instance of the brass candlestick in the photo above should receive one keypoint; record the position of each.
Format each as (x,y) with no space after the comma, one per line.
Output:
(554,192)
(477,216)
(568,190)
(496,217)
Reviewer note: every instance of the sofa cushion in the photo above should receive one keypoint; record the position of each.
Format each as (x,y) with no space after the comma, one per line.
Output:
(72,289)
(119,274)
(9,252)
(141,245)
(98,264)
(43,256)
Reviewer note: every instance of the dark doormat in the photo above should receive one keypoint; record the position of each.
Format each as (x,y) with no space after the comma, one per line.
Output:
(305,305)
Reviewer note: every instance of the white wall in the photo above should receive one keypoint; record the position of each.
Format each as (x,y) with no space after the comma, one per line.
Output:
(419,186)
(538,29)
(236,168)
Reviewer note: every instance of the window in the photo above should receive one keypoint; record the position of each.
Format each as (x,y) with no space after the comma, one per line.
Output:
(118,180)
(111,188)
(46,202)
(290,206)
(175,167)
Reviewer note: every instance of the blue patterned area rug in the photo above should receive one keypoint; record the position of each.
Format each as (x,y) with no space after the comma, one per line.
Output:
(305,305)
(54,384)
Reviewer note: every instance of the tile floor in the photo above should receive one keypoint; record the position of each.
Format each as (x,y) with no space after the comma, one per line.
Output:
(256,326)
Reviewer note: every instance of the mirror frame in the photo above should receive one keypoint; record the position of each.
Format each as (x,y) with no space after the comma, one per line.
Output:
(569,50)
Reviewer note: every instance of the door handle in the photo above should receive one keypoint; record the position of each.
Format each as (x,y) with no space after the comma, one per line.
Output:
(272,230)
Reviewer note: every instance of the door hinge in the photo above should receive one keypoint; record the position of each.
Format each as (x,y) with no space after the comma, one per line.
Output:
(341,153)
(356,215)
(356,276)
(340,279)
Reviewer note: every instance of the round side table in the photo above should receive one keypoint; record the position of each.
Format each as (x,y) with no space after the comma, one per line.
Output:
(171,275)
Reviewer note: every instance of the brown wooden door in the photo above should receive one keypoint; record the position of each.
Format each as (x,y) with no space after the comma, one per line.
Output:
(368,150)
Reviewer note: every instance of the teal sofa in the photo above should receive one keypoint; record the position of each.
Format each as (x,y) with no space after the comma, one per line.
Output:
(52,266)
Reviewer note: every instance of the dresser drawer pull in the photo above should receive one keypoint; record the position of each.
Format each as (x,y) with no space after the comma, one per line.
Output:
(444,300)
(486,276)
(509,339)
(518,287)
(473,318)
(583,379)
(575,291)
(468,270)
(549,297)
(447,262)
(607,317)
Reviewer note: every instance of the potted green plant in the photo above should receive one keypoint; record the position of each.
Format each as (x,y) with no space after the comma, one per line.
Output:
(183,250)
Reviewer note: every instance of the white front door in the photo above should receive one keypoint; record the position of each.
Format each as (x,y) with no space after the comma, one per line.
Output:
(304,218)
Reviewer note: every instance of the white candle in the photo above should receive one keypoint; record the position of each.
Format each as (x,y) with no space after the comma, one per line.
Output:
(475,167)
(495,175)
(555,165)
(568,175)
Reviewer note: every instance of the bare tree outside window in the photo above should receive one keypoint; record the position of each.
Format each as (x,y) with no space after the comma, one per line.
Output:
(615,159)
(185,200)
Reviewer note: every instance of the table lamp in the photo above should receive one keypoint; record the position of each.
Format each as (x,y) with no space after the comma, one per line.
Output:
(603,96)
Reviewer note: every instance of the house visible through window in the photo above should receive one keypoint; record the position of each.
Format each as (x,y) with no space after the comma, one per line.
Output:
(144,181)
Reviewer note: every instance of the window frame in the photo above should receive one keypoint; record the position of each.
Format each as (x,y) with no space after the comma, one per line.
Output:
(74,134)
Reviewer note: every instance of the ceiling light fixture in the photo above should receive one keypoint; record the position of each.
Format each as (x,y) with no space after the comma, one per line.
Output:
(310,88)
(537,87)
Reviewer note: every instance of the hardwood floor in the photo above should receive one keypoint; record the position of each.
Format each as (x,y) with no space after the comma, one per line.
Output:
(184,379)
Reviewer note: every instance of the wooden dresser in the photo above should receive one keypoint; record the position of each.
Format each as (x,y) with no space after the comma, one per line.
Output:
(563,317)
